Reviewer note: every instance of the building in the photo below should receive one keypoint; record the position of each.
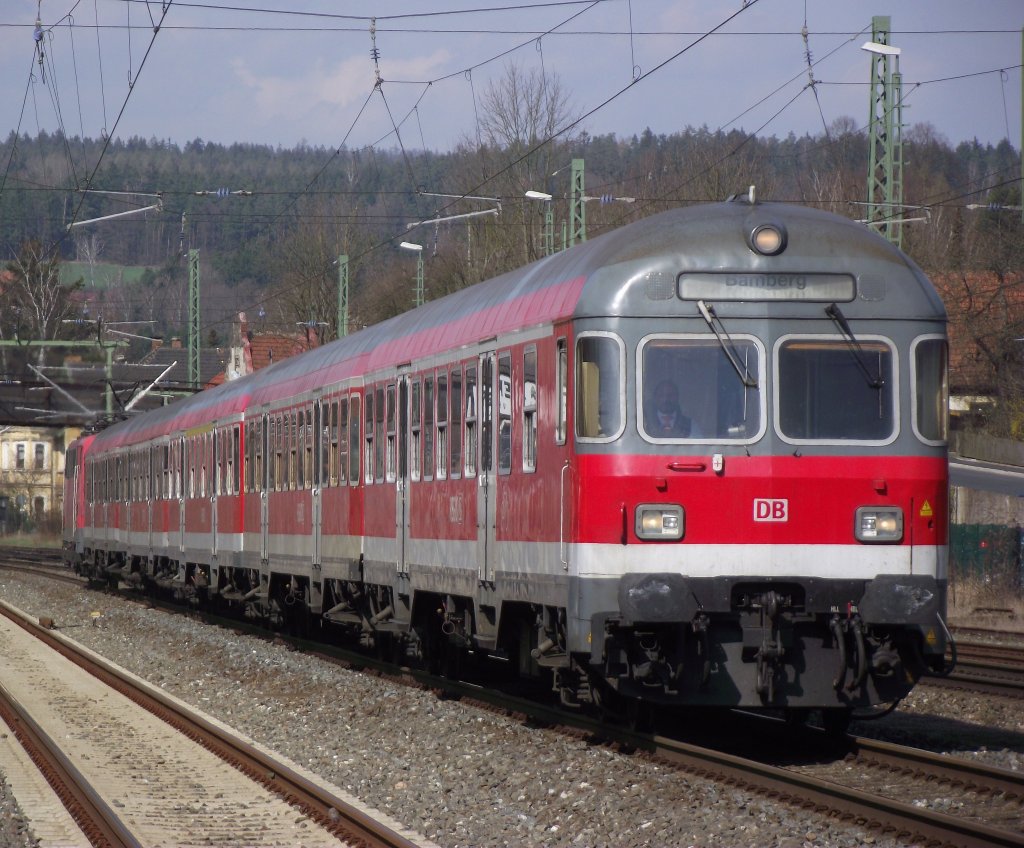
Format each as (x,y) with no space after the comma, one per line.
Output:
(32,475)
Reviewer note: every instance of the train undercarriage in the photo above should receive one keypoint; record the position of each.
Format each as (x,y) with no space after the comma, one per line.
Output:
(778,644)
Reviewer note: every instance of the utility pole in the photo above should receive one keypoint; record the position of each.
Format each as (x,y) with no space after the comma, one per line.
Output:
(577,208)
(342,295)
(193,320)
(885,125)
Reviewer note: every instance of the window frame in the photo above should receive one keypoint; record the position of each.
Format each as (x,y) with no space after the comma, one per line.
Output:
(838,340)
(713,342)
(914,416)
(603,334)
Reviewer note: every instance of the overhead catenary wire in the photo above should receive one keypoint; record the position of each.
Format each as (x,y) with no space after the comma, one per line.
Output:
(415,111)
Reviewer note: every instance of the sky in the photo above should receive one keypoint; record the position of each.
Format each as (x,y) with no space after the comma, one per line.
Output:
(291,72)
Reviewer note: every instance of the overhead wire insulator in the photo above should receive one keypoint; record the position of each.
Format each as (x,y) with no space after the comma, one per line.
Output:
(374,52)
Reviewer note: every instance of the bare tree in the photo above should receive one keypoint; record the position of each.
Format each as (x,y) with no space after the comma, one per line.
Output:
(88,249)
(34,301)
(522,118)
(308,270)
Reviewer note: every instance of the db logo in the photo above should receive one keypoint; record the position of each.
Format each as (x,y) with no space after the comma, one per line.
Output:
(771,509)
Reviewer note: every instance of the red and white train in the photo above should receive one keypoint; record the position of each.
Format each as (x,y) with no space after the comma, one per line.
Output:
(700,460)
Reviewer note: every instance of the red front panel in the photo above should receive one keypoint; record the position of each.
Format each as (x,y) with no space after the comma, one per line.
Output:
(761,500)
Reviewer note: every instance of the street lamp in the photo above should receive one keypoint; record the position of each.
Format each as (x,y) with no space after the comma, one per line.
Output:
(418,248)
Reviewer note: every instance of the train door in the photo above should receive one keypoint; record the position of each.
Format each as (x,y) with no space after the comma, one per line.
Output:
(316,506)
(487,487)
(402,471)
(181,470)
(152,487)
(215,455)
(268,459)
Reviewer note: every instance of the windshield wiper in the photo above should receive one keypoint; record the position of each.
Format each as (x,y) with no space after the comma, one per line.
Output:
(728,346)
(856,350)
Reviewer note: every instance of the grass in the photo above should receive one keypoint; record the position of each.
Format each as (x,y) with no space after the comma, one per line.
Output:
(30,540)
(102,275)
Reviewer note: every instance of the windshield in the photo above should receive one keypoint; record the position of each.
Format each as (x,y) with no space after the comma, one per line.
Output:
(690,389)
(823,395)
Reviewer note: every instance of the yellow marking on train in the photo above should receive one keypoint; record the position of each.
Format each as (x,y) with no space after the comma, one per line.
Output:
(926,509)
(930,636)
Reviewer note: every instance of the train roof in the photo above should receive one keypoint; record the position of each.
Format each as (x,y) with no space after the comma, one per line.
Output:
(627,271)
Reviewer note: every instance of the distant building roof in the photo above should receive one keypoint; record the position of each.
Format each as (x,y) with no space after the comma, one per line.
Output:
(983,310)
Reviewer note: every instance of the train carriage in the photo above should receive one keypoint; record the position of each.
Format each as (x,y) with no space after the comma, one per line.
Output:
(698,460)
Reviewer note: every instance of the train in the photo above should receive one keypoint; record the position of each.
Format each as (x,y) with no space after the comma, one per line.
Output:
(697,461)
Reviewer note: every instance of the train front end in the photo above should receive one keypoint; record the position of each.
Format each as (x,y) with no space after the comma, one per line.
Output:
(761,471)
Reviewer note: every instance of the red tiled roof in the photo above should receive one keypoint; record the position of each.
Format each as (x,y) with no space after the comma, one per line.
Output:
(267,349)
(983,310)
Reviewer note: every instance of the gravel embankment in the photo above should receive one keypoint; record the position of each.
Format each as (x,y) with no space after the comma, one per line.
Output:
(460,776)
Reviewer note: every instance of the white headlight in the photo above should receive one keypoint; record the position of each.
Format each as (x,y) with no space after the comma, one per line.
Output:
(659,521)
(879,524)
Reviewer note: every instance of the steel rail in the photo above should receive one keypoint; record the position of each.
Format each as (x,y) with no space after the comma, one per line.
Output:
(97,820)
(333,813)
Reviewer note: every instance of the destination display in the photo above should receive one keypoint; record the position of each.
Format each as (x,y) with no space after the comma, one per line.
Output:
(746,286)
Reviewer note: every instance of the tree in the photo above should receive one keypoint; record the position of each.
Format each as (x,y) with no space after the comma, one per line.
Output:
(520,115)
(33,300)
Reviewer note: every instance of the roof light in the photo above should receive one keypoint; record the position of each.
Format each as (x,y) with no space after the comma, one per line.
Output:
(768,239)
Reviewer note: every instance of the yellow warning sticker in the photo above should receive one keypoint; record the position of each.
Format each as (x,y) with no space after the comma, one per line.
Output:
(926,509)
(930,636)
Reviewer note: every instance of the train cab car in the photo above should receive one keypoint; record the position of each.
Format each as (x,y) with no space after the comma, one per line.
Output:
(75,502)
(760,462)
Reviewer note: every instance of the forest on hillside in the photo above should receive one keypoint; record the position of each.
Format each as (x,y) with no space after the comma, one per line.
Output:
(270,223)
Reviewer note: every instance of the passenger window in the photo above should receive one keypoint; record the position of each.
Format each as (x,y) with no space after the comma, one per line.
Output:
(693,387)
(504,413)
(343,426)
(455,430)
(561,389)
(472,433)
(308,446)
(414,428)
(599,391)
(300,450)
(368,437)
(274,459)
(331,454)
(931,390)
(257,471)
(442,426)
(391,454)
(530,410)
(428,428)
(353,452)
(831,390)
(379,438)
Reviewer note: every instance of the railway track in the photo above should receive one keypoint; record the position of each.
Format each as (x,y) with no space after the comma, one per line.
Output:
(137,767)
(987,668)
(893,789)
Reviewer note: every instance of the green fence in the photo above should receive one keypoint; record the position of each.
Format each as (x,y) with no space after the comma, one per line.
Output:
(993,553)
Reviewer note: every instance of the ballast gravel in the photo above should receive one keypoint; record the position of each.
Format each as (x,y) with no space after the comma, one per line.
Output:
(465,778)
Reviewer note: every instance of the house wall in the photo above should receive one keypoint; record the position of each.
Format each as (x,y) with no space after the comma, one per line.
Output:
(32,472)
